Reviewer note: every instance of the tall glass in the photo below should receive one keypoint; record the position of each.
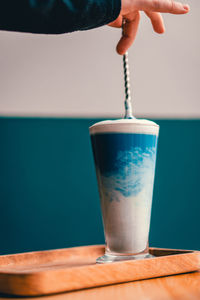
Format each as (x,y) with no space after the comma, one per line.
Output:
(125,156)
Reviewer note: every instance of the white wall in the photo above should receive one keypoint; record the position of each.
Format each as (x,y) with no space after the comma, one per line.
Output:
(80,74)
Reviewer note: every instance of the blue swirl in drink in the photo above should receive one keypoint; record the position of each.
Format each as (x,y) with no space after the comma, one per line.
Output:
(125,167)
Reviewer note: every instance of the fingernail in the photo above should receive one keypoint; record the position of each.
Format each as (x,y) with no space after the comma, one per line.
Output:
(186,7)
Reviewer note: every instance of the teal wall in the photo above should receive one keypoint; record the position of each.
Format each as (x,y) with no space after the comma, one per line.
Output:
(48,190)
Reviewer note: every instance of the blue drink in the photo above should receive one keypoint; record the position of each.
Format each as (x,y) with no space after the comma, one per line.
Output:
(125,156)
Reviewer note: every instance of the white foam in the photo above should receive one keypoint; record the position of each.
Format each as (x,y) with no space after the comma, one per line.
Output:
(125,126)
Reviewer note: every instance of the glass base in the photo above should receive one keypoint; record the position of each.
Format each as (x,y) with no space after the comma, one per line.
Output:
(109,258)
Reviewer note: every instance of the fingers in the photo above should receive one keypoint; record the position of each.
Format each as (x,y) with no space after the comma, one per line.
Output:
(130,29)
(157,21)
(165,6)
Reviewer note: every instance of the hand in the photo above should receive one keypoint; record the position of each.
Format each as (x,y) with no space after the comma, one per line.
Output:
(130,12)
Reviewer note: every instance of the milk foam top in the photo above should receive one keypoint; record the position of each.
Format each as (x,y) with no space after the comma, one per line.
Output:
(125,126)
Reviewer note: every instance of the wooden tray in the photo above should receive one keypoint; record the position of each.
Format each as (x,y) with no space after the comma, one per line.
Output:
(54,271)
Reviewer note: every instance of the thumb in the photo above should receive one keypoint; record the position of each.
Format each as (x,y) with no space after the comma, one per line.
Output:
(129,33)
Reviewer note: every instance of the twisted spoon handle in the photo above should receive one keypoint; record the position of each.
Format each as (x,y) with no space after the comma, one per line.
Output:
(127,103)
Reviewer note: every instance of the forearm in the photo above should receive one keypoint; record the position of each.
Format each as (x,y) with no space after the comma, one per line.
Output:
(56,16)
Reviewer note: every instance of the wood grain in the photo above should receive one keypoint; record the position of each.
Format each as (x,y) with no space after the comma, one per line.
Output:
(177,287)
(55,271)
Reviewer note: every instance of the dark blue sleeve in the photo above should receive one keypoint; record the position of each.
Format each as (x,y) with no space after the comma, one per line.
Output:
(56,16)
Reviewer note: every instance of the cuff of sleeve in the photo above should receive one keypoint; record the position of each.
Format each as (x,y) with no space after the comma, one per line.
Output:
(102,13)
(61,16)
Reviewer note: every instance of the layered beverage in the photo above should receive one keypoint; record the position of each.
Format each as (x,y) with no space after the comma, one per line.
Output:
(125,156)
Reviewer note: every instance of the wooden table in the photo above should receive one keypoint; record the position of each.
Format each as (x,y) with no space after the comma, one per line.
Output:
(178,287)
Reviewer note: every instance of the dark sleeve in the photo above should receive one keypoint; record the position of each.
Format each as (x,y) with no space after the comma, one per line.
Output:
(56,16)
